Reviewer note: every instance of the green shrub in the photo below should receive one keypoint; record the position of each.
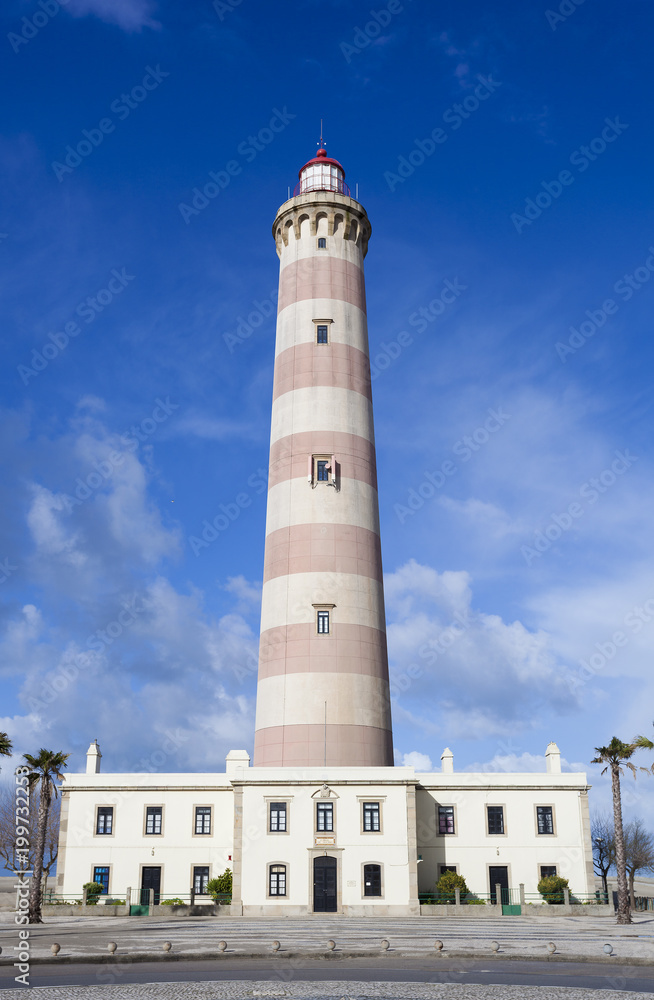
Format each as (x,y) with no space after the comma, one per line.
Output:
(476,902)
(176,901)
(93,891)
(447,883)
(220,888)
(114,902)
(551,888)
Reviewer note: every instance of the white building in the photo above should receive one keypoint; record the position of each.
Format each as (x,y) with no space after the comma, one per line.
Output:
(303,840)
(323,822)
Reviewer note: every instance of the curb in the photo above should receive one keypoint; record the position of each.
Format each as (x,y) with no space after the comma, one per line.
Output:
(127,958)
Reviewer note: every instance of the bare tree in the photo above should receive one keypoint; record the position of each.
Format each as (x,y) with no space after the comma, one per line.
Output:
(639,852)
(8,832)
(603,837)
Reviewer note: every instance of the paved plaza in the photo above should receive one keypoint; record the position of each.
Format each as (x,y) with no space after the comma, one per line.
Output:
(304,954)
(520,937)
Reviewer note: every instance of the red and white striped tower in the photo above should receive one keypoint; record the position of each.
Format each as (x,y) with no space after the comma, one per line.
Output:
(323,692)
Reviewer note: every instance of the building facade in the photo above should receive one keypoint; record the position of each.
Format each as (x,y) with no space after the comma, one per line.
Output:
(323,822)
(355,841)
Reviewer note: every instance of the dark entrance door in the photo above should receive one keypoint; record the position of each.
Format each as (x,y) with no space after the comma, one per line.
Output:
(150,879)
(499,875)
(324,885)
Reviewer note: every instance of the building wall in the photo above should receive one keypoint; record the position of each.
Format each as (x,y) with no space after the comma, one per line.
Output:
(128,848)
(346,789)
(521,848)
(240,839)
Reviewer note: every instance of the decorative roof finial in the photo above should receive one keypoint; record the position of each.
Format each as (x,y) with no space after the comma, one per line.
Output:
(322,143)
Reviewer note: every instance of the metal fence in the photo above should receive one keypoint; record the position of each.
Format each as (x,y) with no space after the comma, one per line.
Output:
(512,897)
(137,897)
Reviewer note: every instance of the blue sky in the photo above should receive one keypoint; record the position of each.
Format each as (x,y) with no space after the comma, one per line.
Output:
(504,157)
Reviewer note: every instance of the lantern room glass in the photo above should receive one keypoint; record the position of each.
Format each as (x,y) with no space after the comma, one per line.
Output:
(321,177)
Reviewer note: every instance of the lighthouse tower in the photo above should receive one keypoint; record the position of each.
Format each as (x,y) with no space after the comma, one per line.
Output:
(323,692)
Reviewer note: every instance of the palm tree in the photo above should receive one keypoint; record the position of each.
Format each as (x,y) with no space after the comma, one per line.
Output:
(643,743)
(616,756)
(6,747)
(45,770)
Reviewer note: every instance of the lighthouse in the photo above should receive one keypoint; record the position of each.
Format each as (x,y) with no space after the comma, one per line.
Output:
(323,823)
(323,691)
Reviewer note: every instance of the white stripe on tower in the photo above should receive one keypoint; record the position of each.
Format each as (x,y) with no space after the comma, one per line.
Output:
(323,549)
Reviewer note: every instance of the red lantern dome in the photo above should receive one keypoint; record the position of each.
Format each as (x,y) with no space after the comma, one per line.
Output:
(322,173)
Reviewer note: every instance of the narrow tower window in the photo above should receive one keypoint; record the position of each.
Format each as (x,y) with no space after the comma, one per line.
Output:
(322,326)
(322,243)
(322,470)
(323,622)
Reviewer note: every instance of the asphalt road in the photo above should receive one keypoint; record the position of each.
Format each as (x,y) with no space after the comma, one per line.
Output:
(474,971)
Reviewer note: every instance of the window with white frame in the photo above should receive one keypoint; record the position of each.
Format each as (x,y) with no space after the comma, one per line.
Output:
(545,819)
(202,820)
(322,622)
(101,875)
(325,817)
(322,470)
(104,823)
(322,333)
(372,880)
(371,817)
(200,879)
(495,816)
(277,880)
(446,819)
(277,817)
(153,820)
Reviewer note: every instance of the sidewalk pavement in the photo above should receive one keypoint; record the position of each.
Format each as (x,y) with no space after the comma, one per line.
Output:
(302,939)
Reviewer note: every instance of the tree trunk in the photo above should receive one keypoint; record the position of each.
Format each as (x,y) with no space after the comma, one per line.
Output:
(35,916)
(624,912)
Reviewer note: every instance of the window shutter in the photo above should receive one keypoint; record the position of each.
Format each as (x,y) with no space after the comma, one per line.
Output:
(332,462)
(310,471)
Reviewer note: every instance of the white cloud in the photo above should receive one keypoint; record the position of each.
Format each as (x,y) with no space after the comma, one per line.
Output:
(460,672)
(487,517)
(213,429)
(115,649)
(51,536)
(248,595)
(414,758)
(130,15)
(513,763)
